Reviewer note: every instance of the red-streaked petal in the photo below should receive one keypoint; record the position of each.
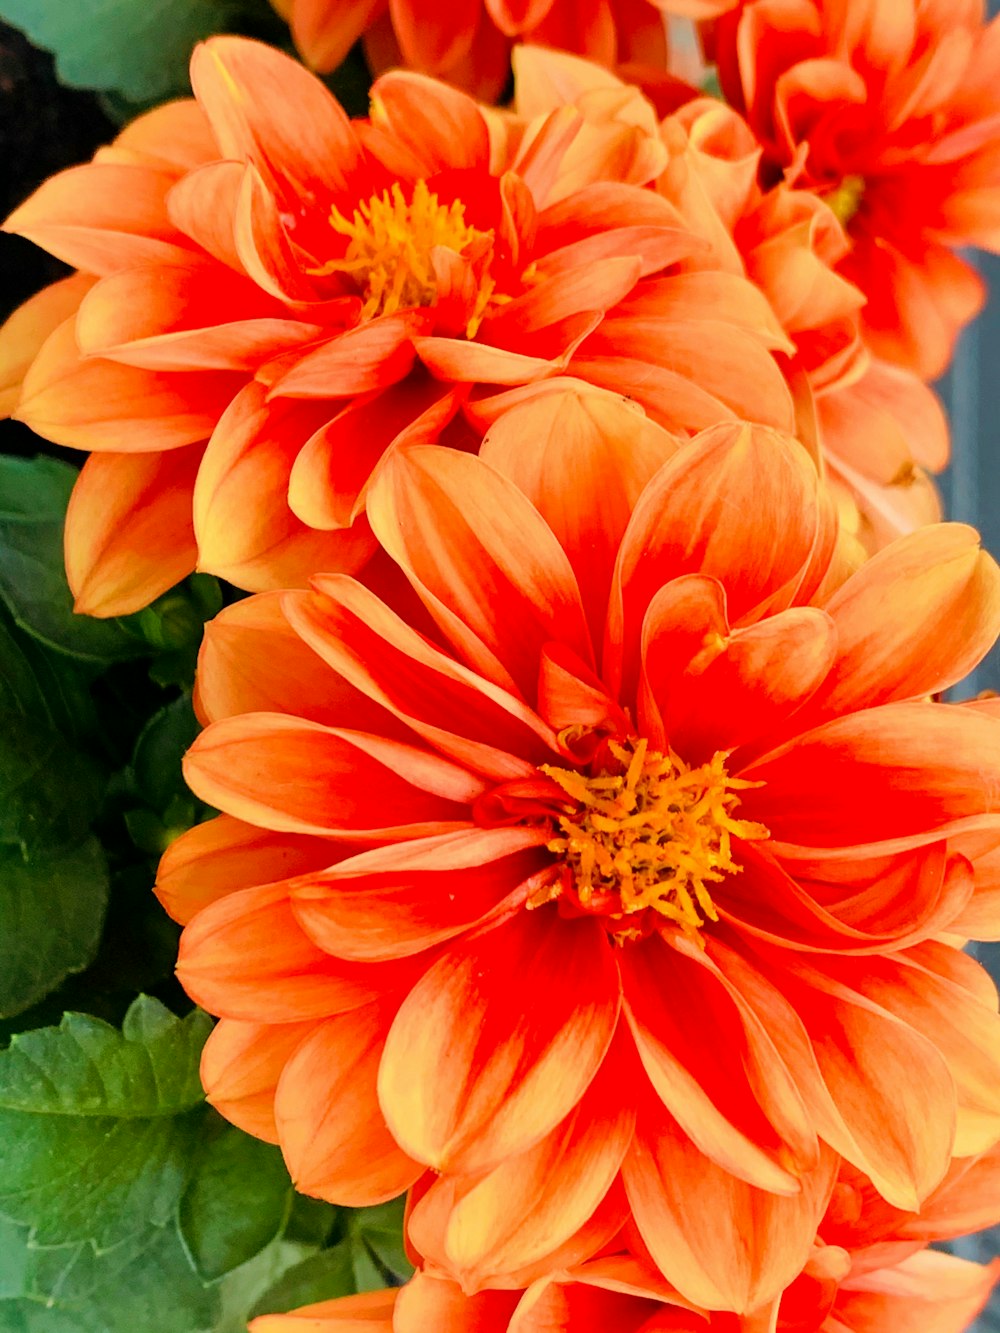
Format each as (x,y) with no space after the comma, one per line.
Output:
(246,957)
(404,898)
(224,855)
(723,1244)
(499,1041)
(334,1140)
(458,528)
(294,776)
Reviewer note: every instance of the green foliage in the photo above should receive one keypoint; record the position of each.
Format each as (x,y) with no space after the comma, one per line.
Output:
(52,907)
(236,1202)
(94,1125)
(138,48)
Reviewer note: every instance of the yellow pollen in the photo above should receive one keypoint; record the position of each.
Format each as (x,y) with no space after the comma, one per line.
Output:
(845,200)
(653,835)
(392,244)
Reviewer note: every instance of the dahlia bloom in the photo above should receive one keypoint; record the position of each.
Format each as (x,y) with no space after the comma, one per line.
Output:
(612,838)
(889,111)
(271,295)
(469,45)
(865,1274)
(875,429)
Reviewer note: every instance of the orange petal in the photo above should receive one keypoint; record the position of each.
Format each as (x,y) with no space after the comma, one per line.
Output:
(732,1096)
(428,1302)
(253,661)
(890,772)
(100,405)
(460,714)
(265,108)
(739,503)
(611,450)
(129,535)
(335,1142)
(25,332)
(224,855)
(103,217)
(936,1293)
(369,1312)
(521,1212)
(404,898)
(240,1067)
(441,126)
(325,33)
(193,317)
(499,1041)
(913,621)
(246,957)
(456,527)
(257,546)
(723,1244)
(295,776)
(364,359)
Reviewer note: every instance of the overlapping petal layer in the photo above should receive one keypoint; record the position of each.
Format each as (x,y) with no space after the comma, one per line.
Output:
(619,814)
(271,297)
(889,110)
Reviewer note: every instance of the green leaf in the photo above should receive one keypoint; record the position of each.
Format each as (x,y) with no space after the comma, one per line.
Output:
(321,1277)
(98,1127)
(379,1230)
(159,751)
(136,48)
(33,498)
(49,791)
(235,1203)
(47,686)
(52,910)
(144,1285)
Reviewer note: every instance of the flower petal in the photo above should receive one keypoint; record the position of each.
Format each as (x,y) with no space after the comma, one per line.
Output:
(240,1067)
(499,1041)
(334,1140)
(294,776)
(129,534)
(457,528)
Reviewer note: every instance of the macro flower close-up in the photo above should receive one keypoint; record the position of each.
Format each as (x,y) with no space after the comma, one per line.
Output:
(605,827)
(499,666)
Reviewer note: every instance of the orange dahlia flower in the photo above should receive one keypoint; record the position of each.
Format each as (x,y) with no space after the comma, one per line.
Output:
(300,291)
(470,44)
(877,428)
(889,110)
(617,836)
(867,1273)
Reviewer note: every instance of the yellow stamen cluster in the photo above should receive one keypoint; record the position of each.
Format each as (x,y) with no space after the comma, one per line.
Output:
(845,200)
(653,835)
(390,255)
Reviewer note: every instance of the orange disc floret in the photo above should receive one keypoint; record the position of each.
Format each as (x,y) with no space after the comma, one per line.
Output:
(888,110)
(642,841)
(271,296)
(867,1272)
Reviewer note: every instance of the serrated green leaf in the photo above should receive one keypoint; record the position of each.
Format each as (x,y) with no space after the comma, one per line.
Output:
(235,1202)
(49,791)
(33,498)
(136,48)
(97,1126)
(52,910)
(141,1286)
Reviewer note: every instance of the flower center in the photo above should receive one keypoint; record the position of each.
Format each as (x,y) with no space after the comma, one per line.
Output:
(648,833)
(392,251)
(845,200)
